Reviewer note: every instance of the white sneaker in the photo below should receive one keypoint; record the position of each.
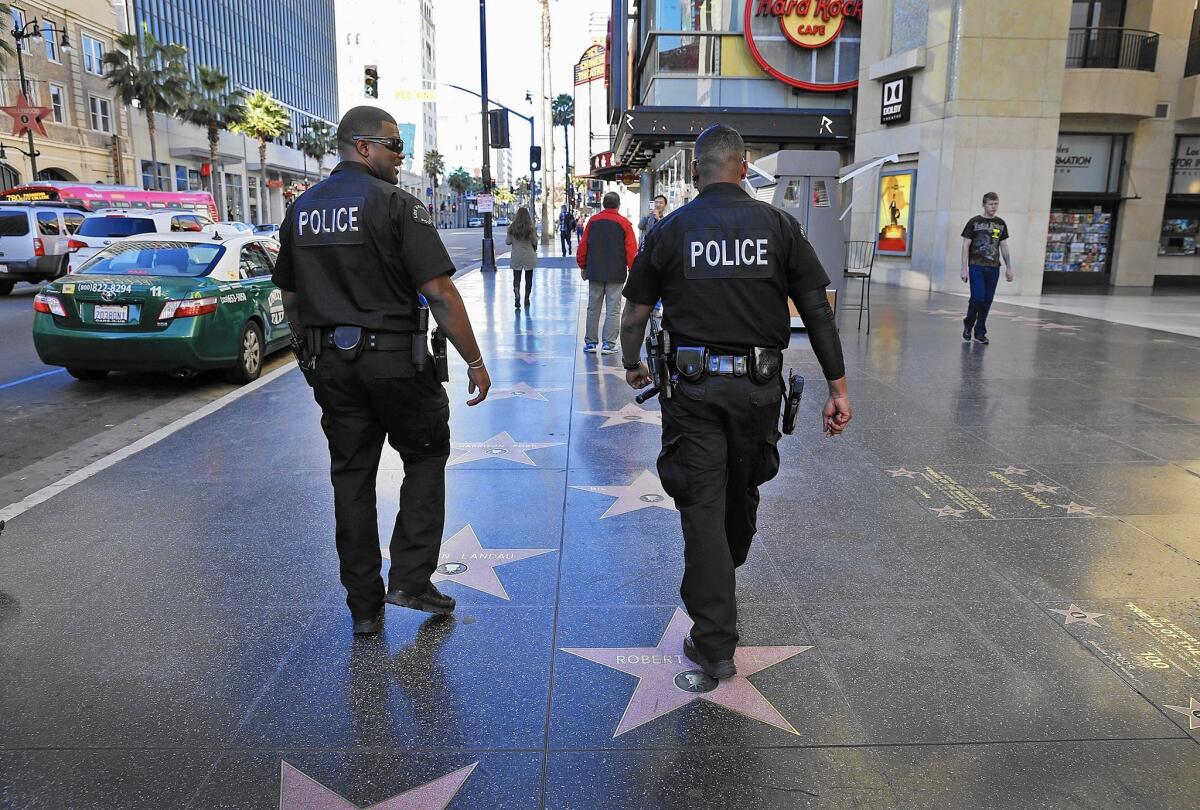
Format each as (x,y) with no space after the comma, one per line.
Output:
(608,348)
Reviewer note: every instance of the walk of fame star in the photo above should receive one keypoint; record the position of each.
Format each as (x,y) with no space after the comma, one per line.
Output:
(299,791)
(629,413)
(947,511)
(501,446)
(1040,487)
(667,680)
(522,390)
(1192,710)
(1074,614)
(902,473)
(1076,509)
(463,560)
(1011,470)
(645,491)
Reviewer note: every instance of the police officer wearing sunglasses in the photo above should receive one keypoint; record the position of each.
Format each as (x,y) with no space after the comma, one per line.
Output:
(724,266)
(359,258)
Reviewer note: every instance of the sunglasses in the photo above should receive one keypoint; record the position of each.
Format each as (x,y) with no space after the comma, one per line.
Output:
(394,144)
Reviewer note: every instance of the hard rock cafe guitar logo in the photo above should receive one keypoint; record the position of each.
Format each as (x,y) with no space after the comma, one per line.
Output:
(808,24)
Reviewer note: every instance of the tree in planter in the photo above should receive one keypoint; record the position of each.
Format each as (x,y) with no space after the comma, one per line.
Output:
(265,120)
(434,167)
(210,104)
(152,75)
(318,140)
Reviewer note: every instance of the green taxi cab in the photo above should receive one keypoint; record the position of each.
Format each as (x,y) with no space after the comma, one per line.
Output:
(179,303)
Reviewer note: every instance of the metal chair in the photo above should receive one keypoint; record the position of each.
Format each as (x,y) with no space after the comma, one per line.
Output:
(860,261)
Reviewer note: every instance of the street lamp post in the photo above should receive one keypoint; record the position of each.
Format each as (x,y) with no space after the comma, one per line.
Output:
(489,248)
(30,30)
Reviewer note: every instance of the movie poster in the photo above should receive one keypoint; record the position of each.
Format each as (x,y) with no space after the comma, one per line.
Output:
(894,237)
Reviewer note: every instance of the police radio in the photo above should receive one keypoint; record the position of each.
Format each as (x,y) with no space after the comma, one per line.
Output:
(419,346)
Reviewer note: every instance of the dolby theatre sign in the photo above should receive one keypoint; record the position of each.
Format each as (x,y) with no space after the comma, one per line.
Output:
(810,44)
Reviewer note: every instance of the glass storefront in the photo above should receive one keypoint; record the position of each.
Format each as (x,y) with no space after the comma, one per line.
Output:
(1084,207)
(1181,214)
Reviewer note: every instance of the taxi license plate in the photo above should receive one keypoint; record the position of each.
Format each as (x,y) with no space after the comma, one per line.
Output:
(108,313)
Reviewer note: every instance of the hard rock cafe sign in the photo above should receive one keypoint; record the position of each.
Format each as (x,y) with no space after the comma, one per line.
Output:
(776,29)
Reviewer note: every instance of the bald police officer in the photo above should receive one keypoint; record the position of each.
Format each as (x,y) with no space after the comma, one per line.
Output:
(356,252)
(724,266)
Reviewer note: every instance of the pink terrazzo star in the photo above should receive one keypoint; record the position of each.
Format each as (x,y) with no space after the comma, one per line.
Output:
(668,680)
(299,791)
(465,561)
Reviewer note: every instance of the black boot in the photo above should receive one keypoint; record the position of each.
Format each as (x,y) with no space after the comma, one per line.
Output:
(431,601)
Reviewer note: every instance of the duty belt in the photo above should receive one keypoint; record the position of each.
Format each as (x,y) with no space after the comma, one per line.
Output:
(371,341)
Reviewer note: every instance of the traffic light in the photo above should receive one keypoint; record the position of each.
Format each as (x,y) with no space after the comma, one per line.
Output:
(498,128)
(371,81)
(535,158)
(454,207)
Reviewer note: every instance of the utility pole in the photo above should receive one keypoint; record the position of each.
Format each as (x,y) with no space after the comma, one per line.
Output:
(489,247)
(548,224)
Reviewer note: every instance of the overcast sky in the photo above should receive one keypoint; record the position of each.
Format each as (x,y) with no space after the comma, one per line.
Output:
(514,49)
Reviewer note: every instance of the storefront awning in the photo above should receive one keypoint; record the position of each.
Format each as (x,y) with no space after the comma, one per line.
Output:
(643,131)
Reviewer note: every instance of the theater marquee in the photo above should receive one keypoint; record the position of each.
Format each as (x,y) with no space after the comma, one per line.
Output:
(808,54)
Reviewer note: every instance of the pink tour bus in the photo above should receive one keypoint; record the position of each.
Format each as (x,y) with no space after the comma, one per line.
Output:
(96,197)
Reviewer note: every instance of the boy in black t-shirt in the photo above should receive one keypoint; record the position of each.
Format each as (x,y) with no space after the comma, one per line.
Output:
(983,245)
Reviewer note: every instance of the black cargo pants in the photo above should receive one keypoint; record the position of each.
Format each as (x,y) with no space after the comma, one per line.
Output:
(363,401)
(719,444)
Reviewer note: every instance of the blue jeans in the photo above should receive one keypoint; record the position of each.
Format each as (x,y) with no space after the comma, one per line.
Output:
(984,279)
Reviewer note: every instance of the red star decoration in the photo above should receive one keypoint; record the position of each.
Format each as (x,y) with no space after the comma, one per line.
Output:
(26,116)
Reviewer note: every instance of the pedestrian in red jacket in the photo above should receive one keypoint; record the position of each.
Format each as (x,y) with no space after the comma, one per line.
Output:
(606,252)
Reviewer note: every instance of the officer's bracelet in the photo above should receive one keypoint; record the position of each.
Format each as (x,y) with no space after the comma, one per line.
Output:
(633,367)
(478,360)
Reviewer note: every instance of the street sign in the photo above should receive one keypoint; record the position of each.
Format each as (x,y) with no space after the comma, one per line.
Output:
(484,203)
(429,192)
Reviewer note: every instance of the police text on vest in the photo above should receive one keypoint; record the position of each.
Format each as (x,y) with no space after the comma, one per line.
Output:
(731,253)
(328,220)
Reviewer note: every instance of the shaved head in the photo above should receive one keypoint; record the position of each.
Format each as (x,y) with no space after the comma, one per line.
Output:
(363,120)
(720,152)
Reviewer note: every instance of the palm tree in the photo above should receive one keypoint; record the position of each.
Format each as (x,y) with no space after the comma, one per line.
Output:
(435,167)
(153,75)
(266,120)
(459,181)
(563,114)
(319,139)
(213,106)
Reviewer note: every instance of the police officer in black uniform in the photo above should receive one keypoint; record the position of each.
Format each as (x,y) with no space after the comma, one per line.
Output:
(356,253)
(724,266)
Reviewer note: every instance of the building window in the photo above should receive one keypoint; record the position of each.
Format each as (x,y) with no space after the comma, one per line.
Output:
(101,113)
(50,35)
(18,18)
(164,176)
(187,179)
(93,55)
(58,103)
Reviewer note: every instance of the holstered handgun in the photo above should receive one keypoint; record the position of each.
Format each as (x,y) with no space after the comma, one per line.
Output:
(419,343)
(658,351)
(441,365)
(791,407)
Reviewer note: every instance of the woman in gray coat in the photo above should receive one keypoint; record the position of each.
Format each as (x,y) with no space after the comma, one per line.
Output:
(523,238)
